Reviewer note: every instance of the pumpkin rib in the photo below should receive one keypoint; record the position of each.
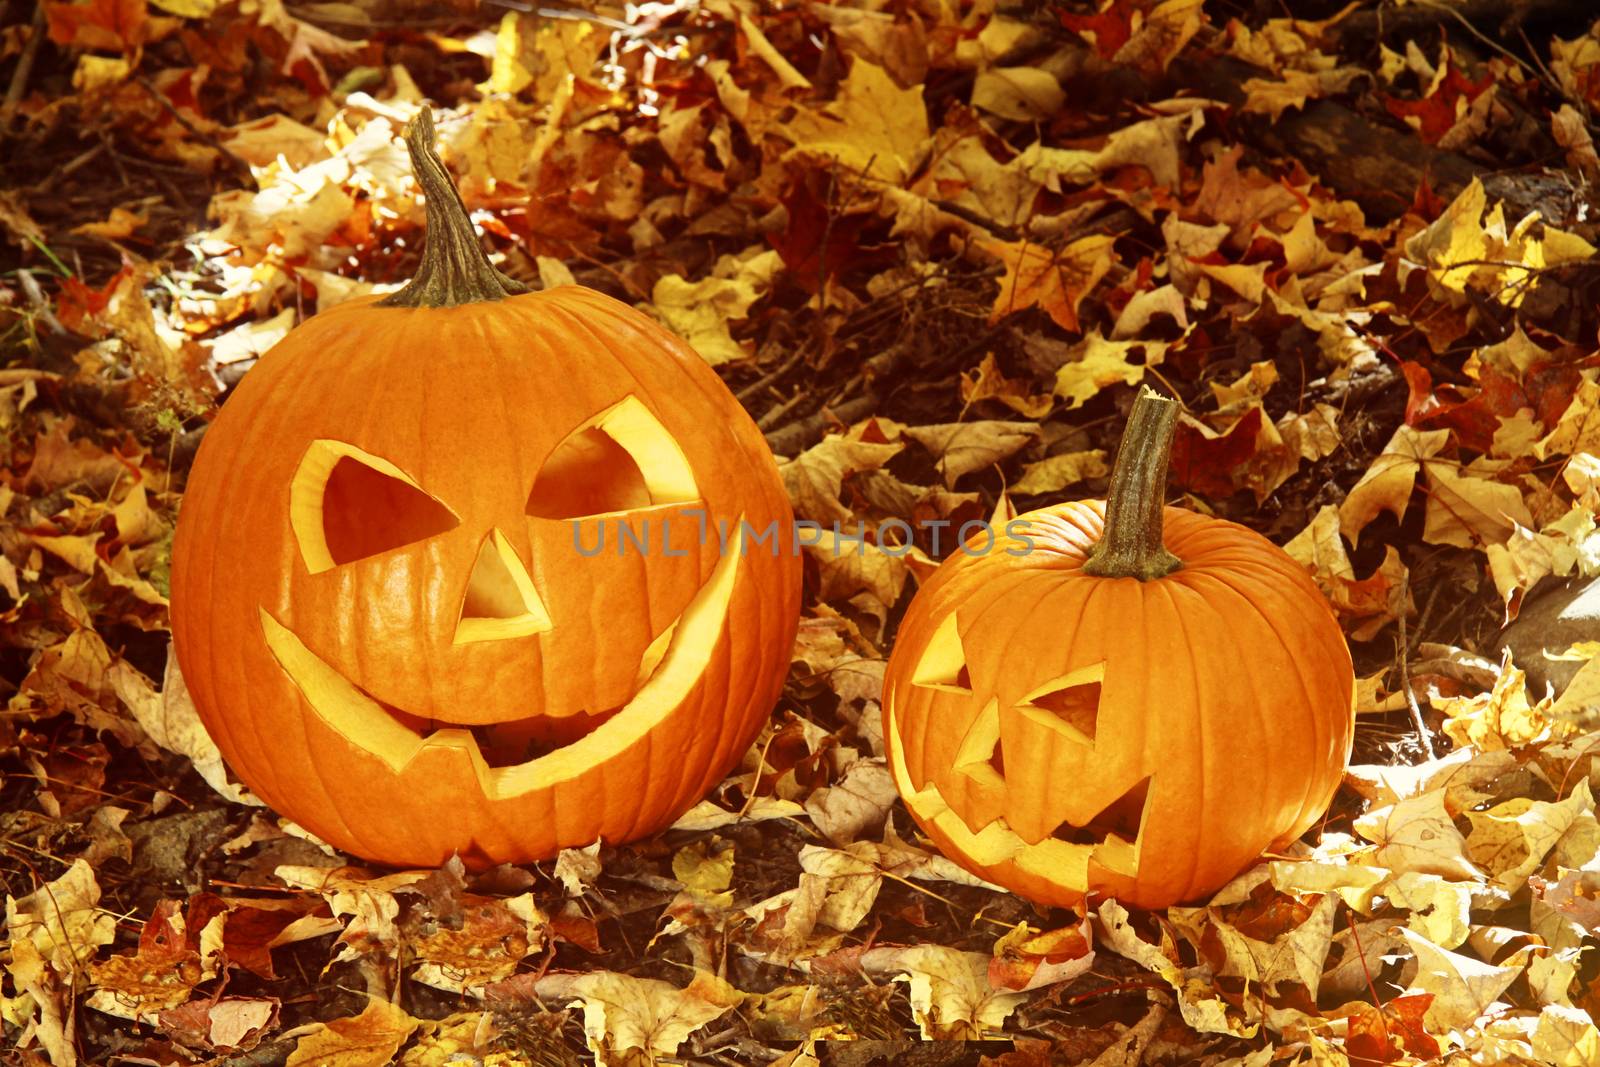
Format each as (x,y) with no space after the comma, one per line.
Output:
(254,429)
(1196,762)
(1307,688)
(1258,801)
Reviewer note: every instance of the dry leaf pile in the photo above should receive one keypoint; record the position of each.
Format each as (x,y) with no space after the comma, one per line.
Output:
(933,245)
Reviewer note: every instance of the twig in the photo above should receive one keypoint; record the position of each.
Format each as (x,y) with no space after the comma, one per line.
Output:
(772,377)
(19,77)
(966,214)
(777,414)
(627,29)
(1405,671)
(799,436)
(161,98)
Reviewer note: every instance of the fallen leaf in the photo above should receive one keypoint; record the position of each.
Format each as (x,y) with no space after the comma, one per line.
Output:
(964,447)
(1388,482)
(1055,473)
(949,990)
(371,1039)
(624,1016)
(1464,989)
(1055,280)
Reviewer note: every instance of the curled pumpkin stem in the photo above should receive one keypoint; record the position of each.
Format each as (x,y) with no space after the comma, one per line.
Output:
(1132,545)
(455,269)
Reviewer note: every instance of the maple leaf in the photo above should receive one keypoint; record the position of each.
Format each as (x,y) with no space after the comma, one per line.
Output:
(54,932)
(1055,280)
(1026,958)
(818,241)
(815,478)
(1388,482)
(1095,363)
(1464,989)
(949,990)
(1057,472)
(307,43)
(700,311)
(625,1016)
(872,129)
(987,382)
(1434,115)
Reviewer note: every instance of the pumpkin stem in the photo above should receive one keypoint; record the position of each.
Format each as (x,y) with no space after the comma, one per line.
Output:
(454,269)
(1131,546)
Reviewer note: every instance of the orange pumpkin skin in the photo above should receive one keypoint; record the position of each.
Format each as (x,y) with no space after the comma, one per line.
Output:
(1226,684)
(469,403)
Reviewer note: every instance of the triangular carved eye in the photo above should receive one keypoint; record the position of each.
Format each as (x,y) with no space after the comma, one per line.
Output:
(944,662)
(622,460)
(346,504)
(1070,704)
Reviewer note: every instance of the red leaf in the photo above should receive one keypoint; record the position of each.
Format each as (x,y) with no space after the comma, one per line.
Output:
(108,25)
(1109,29)
(1204,464)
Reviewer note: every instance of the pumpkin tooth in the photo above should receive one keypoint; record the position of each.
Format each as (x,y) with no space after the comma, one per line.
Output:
(669,670)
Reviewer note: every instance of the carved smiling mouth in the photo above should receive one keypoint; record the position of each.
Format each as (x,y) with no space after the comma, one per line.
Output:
(669,670)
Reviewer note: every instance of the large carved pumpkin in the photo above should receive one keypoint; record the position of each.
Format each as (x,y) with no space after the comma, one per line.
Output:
(1132,707)
(460,570)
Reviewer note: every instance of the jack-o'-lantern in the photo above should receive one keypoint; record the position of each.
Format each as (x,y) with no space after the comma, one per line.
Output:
(460,570)
(1120,700)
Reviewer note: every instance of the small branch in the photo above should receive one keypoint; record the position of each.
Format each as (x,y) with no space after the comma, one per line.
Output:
(182,120)
(797,437)
(19,77)
(1405,672)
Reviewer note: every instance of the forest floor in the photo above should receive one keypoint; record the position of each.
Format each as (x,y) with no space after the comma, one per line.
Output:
(934,247)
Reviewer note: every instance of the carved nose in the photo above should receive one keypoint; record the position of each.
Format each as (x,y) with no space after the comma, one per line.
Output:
(500,601)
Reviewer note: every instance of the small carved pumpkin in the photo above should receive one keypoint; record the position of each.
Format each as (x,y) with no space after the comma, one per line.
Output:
(459,571)
(1092,714)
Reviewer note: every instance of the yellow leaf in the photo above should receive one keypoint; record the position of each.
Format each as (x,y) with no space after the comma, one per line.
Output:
(625,1016)
(1417,834)
(1056,281)
(1057,472)
(988,383)
(1578,429)
(873,128)
(1470,512)
(1252,385)
(1511,840)
(371,1039)
(815,478)
(1022,94)
(1464,989)
(1566,1036)
(188,9)
(700,311)
(706,873)
(1100,363)
(97,73)
(949,990)
(1387,484)
(120,223)
(964,447)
